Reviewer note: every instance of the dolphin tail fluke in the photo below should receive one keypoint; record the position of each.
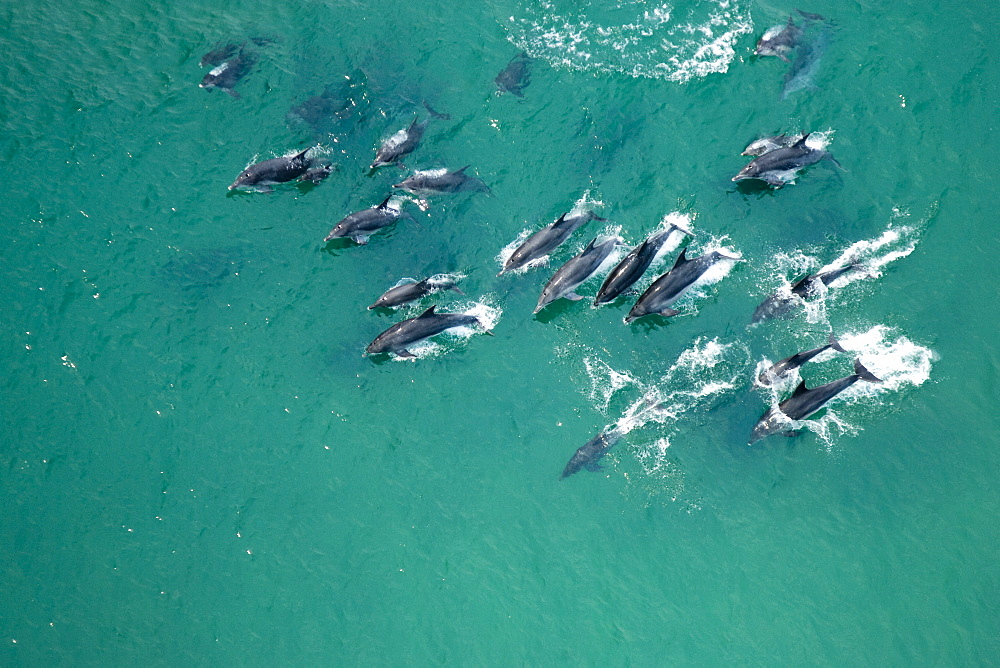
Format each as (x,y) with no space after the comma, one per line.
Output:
(835,344)
(864,373)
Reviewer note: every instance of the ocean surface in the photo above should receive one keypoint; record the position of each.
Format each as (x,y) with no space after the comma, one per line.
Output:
(200,466)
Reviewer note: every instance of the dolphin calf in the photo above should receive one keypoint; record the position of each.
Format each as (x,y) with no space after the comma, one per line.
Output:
(631,269)
(543,241)
(779,40)
(362,224)
(576,270)
(401,143)
(229,73)
(670,286)
(261,176)
(589,454)
(804,402)
(410,331)
(781,303)
(317,173)
(516,76)
(411,290)
(768,144)
(780,166)
(778,370)
(441,181)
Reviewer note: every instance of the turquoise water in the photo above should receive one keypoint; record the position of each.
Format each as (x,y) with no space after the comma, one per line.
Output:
(201,467)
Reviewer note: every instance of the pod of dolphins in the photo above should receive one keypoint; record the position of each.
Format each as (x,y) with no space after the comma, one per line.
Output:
(776,160)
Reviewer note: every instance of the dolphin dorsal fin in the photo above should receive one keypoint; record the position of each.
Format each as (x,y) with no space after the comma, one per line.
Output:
(301,154)
(461,171)
(426,314)
(682,258)
(384,203)
(590,246)
(800,390)
(803,282)
(801,142)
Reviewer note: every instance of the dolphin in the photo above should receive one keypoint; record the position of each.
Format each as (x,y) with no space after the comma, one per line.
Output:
(261,176)
(441,181)
(516,76)
(779,166)
(768,144)
(410,331)
(634,265)
(776,371)
(780,303)
(670,286)
(804,402)
(807,60)
(576,270)
(228,74)
(411,290)
(779,40)
(588,454)
(317,173)
(361,224)
(401,143)
(543,241)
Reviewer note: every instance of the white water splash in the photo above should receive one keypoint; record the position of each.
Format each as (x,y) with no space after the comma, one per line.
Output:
(645,38)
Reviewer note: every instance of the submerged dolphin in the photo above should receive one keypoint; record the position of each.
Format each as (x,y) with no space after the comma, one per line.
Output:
(779,369)
(780,166)
(543,241)
(410,331)
(804,402)
(576,270)
(401,143)
(780,303)
(631,269)
(361,224)
(411,290)
(808,55)
(441,181)
(588,454)
(768,144)
(228,74)
(262,175)
(670,286)
(516,76)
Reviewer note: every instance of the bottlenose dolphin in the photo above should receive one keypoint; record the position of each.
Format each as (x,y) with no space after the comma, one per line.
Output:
(411,290)
(262,175)
(804,402)
(780,166)
(781,303)
(779,40)
(576,270)
(543,241)
(670,286)
(516,76)
(410,331)
(631,269)
(228,74)
(588,454)
(401,143)
(317,173)
(441,181)
(807,60)
(361,224)
(779,369)
(768,144)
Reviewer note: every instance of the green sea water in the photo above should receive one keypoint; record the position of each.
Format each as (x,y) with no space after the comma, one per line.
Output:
(199,466)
